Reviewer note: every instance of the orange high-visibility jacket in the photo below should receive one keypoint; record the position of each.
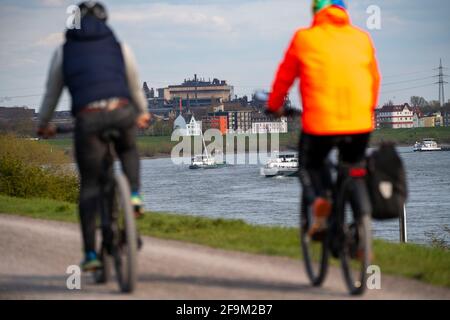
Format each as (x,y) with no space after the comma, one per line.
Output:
(338,72)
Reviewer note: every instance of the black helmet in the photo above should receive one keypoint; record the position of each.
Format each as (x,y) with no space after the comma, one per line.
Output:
(93,8)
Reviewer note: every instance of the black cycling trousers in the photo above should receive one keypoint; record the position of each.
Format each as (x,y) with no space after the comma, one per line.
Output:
(94,167)
(314,173)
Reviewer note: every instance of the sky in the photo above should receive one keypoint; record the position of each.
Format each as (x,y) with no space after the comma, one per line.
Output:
(238,41)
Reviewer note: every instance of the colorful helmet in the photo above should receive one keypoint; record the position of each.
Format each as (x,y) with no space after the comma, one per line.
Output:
(322,4)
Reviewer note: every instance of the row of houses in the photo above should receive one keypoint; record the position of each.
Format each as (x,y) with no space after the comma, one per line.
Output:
(405,116)
(230,122)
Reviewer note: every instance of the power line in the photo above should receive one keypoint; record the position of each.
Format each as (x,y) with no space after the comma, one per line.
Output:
(406,81)
(24,96)
(410,88)
(8,98)
(18,89)
(406,74)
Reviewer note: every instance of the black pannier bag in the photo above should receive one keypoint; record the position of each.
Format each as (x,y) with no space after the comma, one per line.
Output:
(386,182)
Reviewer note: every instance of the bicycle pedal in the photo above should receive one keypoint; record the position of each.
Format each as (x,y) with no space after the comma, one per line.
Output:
(318,235)
(317,231)
(138,215)
(360,256)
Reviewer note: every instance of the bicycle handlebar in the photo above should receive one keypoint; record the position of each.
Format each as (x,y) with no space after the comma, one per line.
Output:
(263,97)
(64,129)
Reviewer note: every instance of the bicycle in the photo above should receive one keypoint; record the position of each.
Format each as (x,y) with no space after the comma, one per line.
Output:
(348,234)
(119,233)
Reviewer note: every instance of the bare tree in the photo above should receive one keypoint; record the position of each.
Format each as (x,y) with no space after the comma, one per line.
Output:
(417,101)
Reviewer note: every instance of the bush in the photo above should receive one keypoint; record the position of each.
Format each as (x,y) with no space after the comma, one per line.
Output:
(31,169)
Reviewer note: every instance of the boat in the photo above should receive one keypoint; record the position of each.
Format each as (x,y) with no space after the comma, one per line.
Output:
(205,160)
(427,145)
(284,164)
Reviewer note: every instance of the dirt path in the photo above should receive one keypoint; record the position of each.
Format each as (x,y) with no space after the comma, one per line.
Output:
(34,255)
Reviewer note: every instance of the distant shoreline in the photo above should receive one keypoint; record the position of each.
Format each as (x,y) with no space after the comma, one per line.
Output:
(157,147)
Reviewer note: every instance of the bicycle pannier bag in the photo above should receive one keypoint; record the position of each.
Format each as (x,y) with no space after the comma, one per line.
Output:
(386,182)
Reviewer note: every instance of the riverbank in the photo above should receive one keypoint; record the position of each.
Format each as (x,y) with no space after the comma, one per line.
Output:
(161,146)
(418,262)
(407,137)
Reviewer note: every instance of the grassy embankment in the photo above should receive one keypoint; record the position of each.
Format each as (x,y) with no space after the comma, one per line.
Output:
(154,146)
(159,146)
(410,136)
(431,265)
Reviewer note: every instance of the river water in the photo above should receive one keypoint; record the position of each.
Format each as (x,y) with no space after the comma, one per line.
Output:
(240,192)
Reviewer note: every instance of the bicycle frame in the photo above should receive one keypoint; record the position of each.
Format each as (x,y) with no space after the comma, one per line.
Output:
(345,240)
(350,179)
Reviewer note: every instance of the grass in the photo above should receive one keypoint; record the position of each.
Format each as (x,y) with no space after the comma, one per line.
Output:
(149,146)
(427,264)
(153,146)
(409,136)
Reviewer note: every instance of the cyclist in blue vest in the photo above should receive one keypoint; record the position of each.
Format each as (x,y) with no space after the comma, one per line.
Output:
(101,76)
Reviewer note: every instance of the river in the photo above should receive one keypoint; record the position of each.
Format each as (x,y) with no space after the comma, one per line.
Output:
(240,192)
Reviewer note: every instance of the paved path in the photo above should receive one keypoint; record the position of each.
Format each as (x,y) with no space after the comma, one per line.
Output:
(34,255)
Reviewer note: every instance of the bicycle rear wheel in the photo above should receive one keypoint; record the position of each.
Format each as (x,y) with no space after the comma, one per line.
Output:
(356,249)
(315,253)
(125,246)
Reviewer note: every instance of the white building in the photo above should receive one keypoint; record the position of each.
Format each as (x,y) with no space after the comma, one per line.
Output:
(194,128)
(180,124)
(270,126)
(395,117)
(417,123)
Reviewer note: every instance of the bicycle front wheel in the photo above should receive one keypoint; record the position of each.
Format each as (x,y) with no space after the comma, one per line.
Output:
(103,275)
(125,255)
(315,252)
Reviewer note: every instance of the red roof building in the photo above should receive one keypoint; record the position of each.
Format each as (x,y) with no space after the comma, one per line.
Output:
(395,117)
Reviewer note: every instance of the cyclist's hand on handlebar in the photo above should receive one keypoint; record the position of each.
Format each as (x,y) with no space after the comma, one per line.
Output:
(277,114)
(143,120)
(284,112)
(47,131)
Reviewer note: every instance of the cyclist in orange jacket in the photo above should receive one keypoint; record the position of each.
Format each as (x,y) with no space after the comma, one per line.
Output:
(339,84)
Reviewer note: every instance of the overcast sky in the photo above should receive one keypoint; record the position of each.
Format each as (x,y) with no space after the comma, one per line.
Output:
(238,41)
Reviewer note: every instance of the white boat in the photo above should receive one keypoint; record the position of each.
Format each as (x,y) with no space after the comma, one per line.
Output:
(427,145)
(284,164)
(205,160)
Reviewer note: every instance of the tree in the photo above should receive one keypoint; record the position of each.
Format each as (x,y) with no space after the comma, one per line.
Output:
(160,128)
(19,126)
(418,102)
(434,104)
